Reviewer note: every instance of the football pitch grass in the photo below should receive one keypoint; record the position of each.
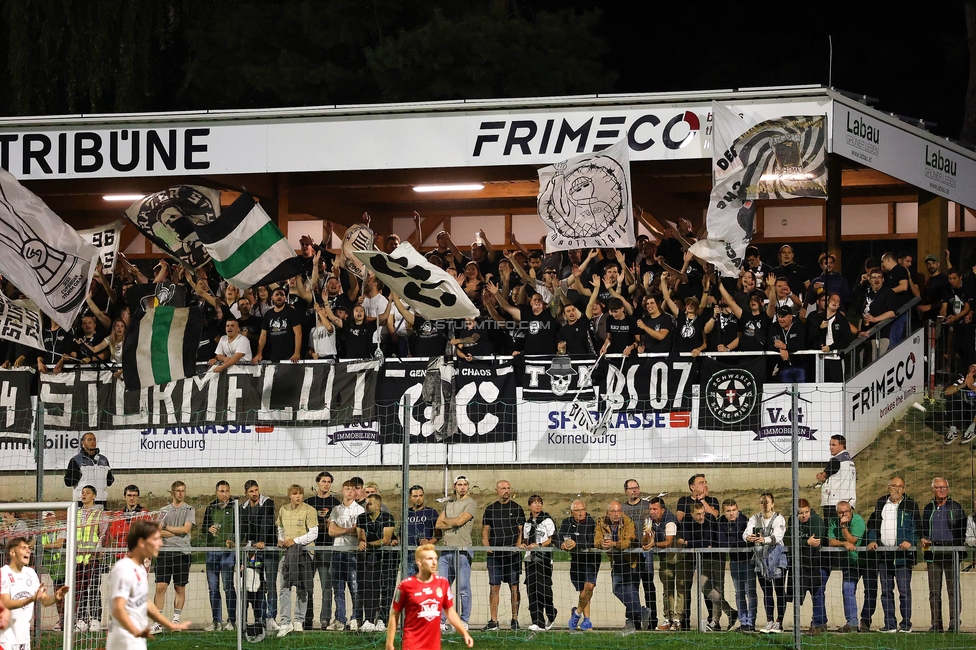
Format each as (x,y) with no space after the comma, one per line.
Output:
(596,640)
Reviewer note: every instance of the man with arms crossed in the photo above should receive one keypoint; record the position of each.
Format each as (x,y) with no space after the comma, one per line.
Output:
(128,592)
(176,521)
(422,599)
(20,588)
(457,521)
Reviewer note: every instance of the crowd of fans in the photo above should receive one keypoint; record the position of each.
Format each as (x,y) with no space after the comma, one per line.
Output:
(654,298)
(351,543)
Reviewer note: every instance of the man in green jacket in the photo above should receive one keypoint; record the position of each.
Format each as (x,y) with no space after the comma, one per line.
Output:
(218,521)
(847,530)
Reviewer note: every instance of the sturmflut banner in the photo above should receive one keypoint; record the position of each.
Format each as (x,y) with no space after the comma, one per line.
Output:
(508,410)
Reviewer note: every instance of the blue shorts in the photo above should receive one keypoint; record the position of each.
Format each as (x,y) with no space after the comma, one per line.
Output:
(581,572)
(504,566)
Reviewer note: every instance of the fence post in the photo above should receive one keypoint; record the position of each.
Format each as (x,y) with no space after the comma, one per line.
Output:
(239,584)
(794,519)
(39,450)
(405,490)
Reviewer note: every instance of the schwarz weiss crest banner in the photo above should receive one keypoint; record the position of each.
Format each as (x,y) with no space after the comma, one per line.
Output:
(731,395)
(283,393)
(485,401)
(586,201)
(167,217)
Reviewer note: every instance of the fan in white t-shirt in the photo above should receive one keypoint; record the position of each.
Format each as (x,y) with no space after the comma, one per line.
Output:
(20,588)
(128,591)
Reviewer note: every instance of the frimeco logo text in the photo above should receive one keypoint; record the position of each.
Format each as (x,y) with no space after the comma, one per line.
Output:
(889,383)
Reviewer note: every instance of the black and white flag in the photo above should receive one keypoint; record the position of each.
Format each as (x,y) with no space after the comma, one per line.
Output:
(427,288)
(42,255)
(586,202)
(106,240)
(167,219)
(20,322)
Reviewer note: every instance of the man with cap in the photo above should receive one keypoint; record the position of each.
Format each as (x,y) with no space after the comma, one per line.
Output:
(89,467)
(787,336)
(935,286)
(457,522)
(281,331)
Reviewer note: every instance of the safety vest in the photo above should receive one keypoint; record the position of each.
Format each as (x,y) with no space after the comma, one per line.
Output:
(89,532)
(52,557)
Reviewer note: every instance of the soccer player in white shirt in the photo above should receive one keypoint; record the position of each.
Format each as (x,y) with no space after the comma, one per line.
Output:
(20,588)
(128,591)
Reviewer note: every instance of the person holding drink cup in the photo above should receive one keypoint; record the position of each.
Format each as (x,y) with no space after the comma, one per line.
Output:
(218,521)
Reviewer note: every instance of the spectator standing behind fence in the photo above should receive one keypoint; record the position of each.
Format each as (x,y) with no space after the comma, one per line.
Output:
(806,567)
(218,521)
(700,531)
(578,532)
(838,479)
(898,280)
(615,534)
(89,467)
(118,530)
(956,306)
(375,531)
(258,531)
(457,522)
(765,531)
(502,526)
(847,530)
(298,526)
(943,524)
(323,502)
(787,336)
(342,528)
(731,526)
(662,534)
(537,532)
(53,561)
(639,512)
(895,523)
(176,519)
(92,527)
(421,520)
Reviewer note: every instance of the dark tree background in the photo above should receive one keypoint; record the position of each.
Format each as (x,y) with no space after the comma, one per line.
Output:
(104,56)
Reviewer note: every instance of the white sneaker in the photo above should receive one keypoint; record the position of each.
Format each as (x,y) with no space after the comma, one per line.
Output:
(367,627)
(56,627)
(337,626)
(777,627)
(82,626)
(229,627)
(94,625)
(380,626)
(446,627)
(272,625)
(211,627)
(283,630)
(353,626)
(535,628)
(155,629)
(768,627)
(297,627)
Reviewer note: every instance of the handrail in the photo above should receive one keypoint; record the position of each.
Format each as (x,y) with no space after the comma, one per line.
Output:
(860,340)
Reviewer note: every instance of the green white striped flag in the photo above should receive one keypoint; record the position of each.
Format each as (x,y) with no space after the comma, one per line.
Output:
(161,346)
(246,246)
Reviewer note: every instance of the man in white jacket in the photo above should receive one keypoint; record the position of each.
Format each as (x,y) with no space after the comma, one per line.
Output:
(838,479)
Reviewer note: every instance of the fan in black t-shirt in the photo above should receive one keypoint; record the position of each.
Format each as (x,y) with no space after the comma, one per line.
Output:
(622,332)
(281,332)
(574,336)
(358,335)
(655,328)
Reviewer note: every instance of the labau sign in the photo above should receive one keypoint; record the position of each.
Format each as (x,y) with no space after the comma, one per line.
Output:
(940,167)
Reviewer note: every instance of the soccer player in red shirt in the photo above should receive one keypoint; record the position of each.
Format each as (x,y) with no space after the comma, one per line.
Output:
(422,598)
